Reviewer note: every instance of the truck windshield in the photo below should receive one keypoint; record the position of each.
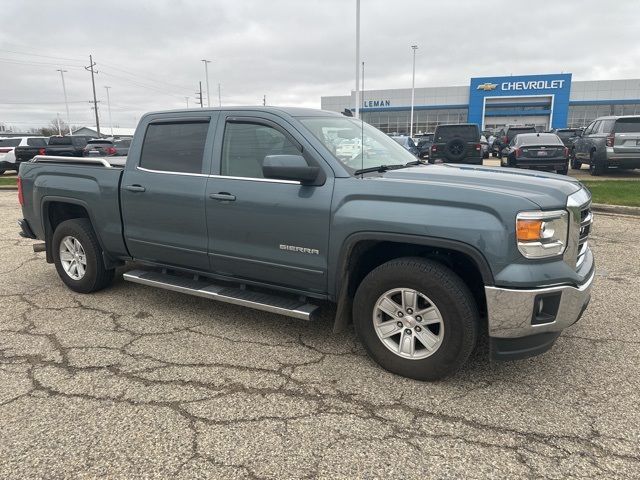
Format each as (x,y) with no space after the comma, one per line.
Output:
(356,144)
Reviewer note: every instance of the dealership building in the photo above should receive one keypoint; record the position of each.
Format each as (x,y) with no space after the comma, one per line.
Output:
(544,101)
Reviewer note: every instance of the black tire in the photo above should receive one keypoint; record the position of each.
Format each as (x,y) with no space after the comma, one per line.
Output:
(447,292)
(564,171)
(96,276)
(455,150)
(596,167)
(2,171)
(575,163)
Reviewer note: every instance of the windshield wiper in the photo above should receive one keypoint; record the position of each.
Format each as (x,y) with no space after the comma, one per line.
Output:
(379,168)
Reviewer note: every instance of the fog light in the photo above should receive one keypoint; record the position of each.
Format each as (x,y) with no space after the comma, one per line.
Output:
(545,308)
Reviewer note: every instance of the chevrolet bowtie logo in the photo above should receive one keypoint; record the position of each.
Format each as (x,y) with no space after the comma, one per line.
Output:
(487,86)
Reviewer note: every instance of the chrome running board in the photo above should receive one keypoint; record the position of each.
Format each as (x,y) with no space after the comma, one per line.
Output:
(200,287)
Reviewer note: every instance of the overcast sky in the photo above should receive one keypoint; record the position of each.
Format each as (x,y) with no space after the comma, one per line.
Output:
(149,52)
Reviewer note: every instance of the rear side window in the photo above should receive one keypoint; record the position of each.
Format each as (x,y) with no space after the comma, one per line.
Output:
(10,142)
(60,141)
(79,141)
(468,133)
(628,125)
(174,147)
(246,144)
(36,142)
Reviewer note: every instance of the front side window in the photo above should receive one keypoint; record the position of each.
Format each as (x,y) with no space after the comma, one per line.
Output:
(356,144)
(174,147)
(246,144)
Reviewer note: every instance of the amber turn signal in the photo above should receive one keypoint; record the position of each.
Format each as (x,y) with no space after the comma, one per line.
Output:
(529,230)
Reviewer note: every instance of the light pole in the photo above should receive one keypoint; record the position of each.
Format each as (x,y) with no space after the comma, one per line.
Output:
(66,103)
(219,96)
(187,99)
(206,75)
(109,108)
(357,112)
(413,89)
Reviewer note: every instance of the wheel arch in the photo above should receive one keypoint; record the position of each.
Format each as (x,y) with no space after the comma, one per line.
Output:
(362,252)
(56,210)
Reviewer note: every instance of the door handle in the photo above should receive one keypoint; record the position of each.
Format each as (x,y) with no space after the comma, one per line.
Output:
(223,197)
(134,188)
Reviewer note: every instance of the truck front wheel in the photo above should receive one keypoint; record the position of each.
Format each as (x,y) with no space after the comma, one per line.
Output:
(78,256)
(416,318)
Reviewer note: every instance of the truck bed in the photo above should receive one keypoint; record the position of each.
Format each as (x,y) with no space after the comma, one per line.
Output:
(91,183)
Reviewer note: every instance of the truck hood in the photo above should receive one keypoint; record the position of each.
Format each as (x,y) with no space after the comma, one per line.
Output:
(547,190)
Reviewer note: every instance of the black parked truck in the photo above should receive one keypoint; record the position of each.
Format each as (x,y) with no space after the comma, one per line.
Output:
(66,146)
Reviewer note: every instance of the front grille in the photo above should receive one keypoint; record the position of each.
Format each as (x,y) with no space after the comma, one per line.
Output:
(586,220)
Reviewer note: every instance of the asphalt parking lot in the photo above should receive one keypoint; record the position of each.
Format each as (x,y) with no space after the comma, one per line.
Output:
(137,382)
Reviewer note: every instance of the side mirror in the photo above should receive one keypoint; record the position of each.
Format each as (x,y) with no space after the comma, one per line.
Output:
(289,167)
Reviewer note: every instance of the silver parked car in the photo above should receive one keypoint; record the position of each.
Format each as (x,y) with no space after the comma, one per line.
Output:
(612,141)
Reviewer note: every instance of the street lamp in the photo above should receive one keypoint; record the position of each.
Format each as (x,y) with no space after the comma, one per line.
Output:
(206,74)
(109,108)
(66,103)
(413,89)
(357,112)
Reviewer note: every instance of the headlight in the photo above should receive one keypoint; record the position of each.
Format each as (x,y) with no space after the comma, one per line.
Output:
(542,234)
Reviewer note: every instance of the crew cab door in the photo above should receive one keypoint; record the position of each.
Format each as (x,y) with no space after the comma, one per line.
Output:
(163,190)
(266,230)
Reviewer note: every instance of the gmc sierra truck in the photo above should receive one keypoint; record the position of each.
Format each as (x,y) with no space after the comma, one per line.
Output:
(252,206)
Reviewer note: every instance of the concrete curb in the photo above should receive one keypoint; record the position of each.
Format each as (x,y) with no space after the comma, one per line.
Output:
(8,187)
(615,209)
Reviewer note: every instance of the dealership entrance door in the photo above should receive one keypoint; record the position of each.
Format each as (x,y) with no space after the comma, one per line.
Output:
(531,111)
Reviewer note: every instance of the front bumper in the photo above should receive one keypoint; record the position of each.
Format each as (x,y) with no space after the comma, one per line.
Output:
(515,312)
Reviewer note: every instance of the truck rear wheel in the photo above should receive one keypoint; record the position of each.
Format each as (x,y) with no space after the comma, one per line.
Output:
(416,318)
(78,257)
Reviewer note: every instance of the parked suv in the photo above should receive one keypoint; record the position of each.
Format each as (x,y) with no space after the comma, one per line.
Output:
(9,159)
(459,143)
(612,141)
(424,145)
(504,137)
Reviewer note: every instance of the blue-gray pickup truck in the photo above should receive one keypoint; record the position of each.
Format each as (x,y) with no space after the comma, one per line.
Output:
(285,210)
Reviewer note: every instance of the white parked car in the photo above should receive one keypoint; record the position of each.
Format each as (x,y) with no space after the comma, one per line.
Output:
(8,146)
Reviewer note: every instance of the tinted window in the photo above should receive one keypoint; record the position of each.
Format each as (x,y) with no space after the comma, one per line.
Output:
(567,133)
(628,125)
(99,142)
(60,141)
(79,141)
(174,147)
(515,131)
(595,127)
(468,133)
(10,142)
(542,139)
(36,142)
(246,144)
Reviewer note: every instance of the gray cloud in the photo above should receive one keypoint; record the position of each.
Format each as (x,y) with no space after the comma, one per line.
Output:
(293,51)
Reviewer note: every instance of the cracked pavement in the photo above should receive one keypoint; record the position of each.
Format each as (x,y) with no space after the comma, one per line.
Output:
(138,382)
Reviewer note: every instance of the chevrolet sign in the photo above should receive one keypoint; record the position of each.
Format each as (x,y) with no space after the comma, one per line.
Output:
(531,85)
(487,86)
